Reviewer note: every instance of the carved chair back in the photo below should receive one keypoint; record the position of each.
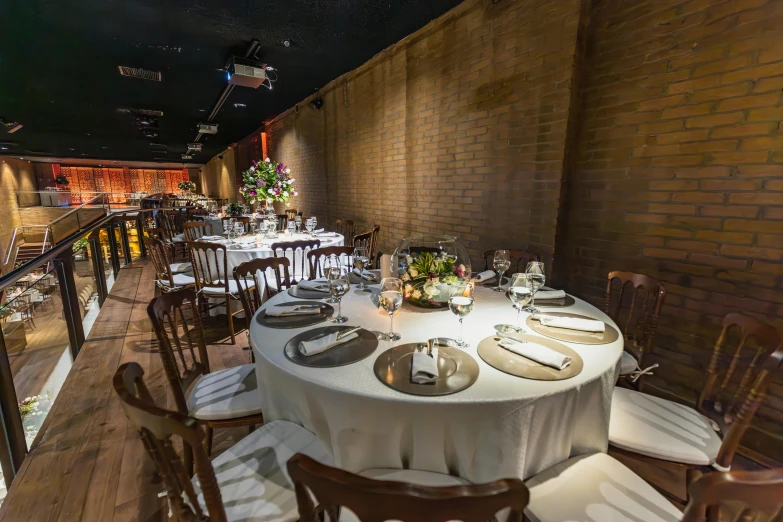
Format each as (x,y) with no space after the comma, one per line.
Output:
(249,276)
(299,251)
(195,230)
(346,227)
(210,264)
(754,496)
(519,260)
(315,256)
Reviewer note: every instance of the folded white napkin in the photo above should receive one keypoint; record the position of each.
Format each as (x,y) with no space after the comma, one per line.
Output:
(550,294)
(321,344)
(538,353)
(326,234)
(572,323)
(486,275)
(211,238)
(365,274)
(288,311)
(318,231)
(424,369)
(316,285)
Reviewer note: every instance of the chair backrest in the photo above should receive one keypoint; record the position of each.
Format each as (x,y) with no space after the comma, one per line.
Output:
(210,264)
(752,495)
(634,302)
(159,430)
(245,220)
(519,259)
(379,500)
(299,251)
(731,392)
(157,233)
(282,222)
(195,230)
(367,240)
(177,324)
(170,222)
(249,274)
(314,258)
(346,227)
(158,252)
(290,214)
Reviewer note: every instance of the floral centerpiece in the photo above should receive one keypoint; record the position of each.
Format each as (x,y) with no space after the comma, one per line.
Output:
(432,269)
(235,209)
(267,181)
(186,186)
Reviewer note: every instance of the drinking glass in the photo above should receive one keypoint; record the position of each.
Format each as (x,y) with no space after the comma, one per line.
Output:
(315,223)
(535,280)
(360,262)
(309,225)
(239,229)
(520,294)
(390,299)
(253,227)
(461,304)
(298,221)
(291,228)
(338,287)
(501,262)
(329,263)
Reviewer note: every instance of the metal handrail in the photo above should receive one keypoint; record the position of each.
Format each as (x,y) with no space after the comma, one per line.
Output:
(78,208)
(12,243)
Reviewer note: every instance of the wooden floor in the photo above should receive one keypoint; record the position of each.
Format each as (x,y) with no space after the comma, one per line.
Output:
(87,462)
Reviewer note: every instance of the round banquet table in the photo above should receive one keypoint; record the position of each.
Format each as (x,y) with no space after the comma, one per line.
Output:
(501,426)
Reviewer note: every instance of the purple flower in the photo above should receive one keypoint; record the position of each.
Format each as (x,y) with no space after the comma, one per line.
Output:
(260,183)
(254,162)
(252,193)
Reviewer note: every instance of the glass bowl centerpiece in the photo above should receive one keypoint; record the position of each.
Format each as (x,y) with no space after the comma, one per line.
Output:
(432,269)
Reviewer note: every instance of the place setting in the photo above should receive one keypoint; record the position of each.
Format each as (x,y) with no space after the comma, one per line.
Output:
(295,314)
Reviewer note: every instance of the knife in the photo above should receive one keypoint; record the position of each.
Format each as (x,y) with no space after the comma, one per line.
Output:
(348,332)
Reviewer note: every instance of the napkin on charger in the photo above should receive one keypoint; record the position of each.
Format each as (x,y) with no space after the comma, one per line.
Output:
(321,344)
(365,274)
(316,285)
(325,234)
(536,352)
(486,275)
(550,294)
(424,369)
(572,323)
(288,311)
(211,238)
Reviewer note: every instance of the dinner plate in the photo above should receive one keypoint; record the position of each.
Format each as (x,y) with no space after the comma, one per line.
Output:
(551,303)
(457,370)
(610,333)
(301,293)
(296,321)
(512,363)
(341,355)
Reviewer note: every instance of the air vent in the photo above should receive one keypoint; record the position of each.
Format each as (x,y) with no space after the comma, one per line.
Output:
(144,74)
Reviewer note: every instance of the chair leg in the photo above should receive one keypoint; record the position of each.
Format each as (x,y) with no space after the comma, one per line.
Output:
(208,441)
(230,320)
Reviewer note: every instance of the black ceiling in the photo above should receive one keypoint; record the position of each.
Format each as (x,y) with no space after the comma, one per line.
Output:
(59,58)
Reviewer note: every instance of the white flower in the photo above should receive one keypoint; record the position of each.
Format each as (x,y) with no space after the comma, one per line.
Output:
(288,171)
(252,168)
(409,259)
(285,194)
(413,272)
(291,181)
(416,294)
(267,160)
(268,200)
(430,289)
(406,277)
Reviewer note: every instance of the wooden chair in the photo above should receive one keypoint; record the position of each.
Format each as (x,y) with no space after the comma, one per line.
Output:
(195,230)
(379,495)
(752,495)
(171,223)
(221,399)
(367,240)
(636,313)
(346,227)
(210,268)
(282,222)
(167,278)
(24,306)
(314,258)
(250,275)
(245,483)
(298,255)
(245,220)
(519,259)
(680,438)
(290,214)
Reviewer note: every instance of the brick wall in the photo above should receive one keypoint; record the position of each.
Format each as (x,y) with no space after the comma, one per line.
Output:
(15,175)
(678,173)
(459,128)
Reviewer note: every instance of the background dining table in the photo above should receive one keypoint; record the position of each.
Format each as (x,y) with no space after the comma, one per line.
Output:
(501,426)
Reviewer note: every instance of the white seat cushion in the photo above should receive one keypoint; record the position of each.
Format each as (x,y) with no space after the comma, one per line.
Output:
(628,364)
(662,429)
(179,238)
(596,488)
(179,280)
(252,475)
(181,268)
(232,287)
(225,394)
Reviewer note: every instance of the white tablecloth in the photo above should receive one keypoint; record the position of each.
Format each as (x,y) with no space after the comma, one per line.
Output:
(502,426)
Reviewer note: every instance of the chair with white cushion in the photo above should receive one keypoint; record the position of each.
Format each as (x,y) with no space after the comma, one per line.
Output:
(247,482)
(195,230)
(168,278)
(221,399)
(298,257)
(596,487)
(210,267)
(171,222)
(681,438)
(396,494)
(633,302)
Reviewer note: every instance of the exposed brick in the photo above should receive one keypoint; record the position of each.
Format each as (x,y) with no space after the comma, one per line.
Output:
(719,261)
(680,137)
(713,120)
(732,158)
(727,91)
(748,129)
(729,211)
(747,102)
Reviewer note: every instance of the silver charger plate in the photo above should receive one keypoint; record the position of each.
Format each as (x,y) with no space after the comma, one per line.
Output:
(346,353)
(609,335)
(301,293)
(457,369)
(551,303)
(512,363)
(491,282)
(296,321)
(355,279)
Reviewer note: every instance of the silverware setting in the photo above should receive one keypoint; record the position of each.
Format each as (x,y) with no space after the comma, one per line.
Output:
(508,336)
(348,332)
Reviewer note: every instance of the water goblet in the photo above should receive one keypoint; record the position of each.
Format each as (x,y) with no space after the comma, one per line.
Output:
(329,263)
(390,300)
(501,262)
(360,262)
(520,294)
(338,287)
(461,304)
(315,223)
(291,228)
(298,221)
(309,225)
(536,279)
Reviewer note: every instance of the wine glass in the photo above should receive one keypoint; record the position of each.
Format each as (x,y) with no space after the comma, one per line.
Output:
(536,279)
(501,262)
(360,262)
(309,225)
(461,304)
(329,263)
(520,294)
(291,228)
(390,299)
(298,221)
(338,287)
(239,230)
(253,227)
(315,223)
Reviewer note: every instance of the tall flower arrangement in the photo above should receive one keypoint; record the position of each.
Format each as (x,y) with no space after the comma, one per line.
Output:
(186,186)
(267,181)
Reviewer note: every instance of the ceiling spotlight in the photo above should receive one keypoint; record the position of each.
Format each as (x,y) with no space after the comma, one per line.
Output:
(317,103)
(240,105)
(287,43)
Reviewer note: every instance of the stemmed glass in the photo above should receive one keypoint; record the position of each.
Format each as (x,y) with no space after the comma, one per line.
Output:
(501,262)
(252,227)
(315,223)
(535,280)
(239,229)
(298,221)
(309,225)
(338,287)
(291,228)
(390,299)
(461,304)
(520,294)
(360,262)
(330,263)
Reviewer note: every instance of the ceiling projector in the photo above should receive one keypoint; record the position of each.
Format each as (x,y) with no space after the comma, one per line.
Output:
(246,73)
(208,128)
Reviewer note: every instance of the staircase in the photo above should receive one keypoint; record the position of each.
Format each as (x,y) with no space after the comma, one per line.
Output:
(28,251)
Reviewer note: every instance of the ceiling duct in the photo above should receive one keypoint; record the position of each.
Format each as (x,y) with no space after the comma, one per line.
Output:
(143,74)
